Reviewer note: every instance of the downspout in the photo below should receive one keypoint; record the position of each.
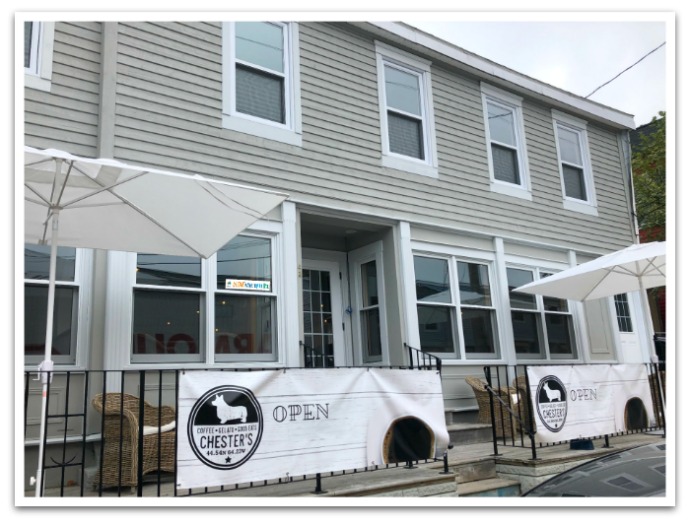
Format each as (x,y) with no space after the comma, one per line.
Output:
(624,141)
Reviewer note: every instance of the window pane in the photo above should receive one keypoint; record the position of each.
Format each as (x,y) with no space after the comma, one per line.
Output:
(474,284)
(501,124)
(405,135)
(623,313)
(526,333)
(569,146)
(260,43)
(28,28)
(431,278)
(244,258)
(168,270)
(402,91)
(37,262)
(574,182)
(244,324)
(370,292)
(435,329)
(260,94)
(166,322)
(505,163)
(478,330)
(64,320)
(559,330)
(517,278)
(371,334)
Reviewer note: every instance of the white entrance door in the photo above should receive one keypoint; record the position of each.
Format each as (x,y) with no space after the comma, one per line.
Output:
(322,313)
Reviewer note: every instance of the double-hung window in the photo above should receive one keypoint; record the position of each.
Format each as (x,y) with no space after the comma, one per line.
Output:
(406,109)
(261,80)
(186,309)
(542,326)
(449,289)
(38,54)
(72,291)
(574,163)
(505,137)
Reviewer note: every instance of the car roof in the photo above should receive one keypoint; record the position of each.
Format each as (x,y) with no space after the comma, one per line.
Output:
(635,472)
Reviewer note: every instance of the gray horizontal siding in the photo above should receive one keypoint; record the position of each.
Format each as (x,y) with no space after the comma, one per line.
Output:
(67,116)
(168,113)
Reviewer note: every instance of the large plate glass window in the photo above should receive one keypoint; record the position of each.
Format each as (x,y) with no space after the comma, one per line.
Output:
(67,315)
(447,290)
(245,300)
(542,326)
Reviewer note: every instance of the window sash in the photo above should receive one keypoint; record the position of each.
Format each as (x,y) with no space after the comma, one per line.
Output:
(31,46)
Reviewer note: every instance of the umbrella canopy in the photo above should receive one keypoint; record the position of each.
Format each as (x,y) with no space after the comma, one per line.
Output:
(635,268)
(106,204)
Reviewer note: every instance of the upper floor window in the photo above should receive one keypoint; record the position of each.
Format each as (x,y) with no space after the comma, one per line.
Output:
(71,294)
(407,122)
(38,54)
(261,80)
(542,326)
(507,152)
(440,304)
(574,163)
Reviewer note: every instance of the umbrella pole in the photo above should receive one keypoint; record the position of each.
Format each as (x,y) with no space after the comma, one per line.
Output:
(46,367)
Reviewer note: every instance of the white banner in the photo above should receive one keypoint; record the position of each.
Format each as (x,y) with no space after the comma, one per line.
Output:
(237,427)
(583,401)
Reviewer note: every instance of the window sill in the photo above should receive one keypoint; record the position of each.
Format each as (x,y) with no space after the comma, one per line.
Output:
(261,130)
(580,207)
(410,166)
(511,190)
(36,82)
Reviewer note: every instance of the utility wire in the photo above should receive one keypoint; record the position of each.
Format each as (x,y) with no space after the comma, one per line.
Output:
(627,68)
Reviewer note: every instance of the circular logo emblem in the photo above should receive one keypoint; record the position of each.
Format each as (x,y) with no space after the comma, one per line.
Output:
(552,404)
(225,427)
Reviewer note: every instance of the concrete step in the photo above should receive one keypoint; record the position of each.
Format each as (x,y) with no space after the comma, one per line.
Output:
(469,433)
(480,469)
(495,487)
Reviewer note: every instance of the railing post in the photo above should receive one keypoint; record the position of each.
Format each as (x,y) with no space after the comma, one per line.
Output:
(140,446)
(318,490)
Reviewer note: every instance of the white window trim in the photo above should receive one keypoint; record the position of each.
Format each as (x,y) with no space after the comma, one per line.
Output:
(578,126)
(121,281)
(40,74)
(422,68)
(514,104)
(536,269)
(83,280)
(452,256)
(291,131)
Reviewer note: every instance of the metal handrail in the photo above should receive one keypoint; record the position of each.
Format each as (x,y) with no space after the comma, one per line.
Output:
(424,360)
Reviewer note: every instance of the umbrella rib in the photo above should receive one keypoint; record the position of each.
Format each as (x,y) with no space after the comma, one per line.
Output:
(250,212)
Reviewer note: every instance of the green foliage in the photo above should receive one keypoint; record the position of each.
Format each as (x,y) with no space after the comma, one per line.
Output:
(649,178)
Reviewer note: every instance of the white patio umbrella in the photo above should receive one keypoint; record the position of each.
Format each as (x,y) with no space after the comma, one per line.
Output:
(636,268)
(106,204)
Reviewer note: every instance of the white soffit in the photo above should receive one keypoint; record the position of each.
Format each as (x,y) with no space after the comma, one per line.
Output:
(493,71)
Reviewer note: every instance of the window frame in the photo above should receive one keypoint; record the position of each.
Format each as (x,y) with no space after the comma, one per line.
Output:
(39,74)
(390,56)
(289,132)
(456,305)
(513,103)
(83,282)
(545,354)
(579,127)
(119,317)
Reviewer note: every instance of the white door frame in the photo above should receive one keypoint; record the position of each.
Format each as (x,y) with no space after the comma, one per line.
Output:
(335,264)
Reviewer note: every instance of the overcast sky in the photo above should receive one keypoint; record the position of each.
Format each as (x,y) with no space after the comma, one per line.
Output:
(577,56)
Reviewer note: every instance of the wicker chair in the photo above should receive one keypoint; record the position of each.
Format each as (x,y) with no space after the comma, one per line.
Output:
(121,439)
(505,424)
(525,406)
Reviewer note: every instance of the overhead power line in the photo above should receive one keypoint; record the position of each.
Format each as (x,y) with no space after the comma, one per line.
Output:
(627,68)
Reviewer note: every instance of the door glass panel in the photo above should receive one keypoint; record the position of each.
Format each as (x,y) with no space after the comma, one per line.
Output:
(370,292)
(318,318)
(371,334)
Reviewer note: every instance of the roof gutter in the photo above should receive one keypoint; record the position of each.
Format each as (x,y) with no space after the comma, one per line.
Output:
(492,71)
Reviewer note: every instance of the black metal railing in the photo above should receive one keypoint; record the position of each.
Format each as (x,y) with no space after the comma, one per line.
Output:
(512,417)
(96,445)
(419,359)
